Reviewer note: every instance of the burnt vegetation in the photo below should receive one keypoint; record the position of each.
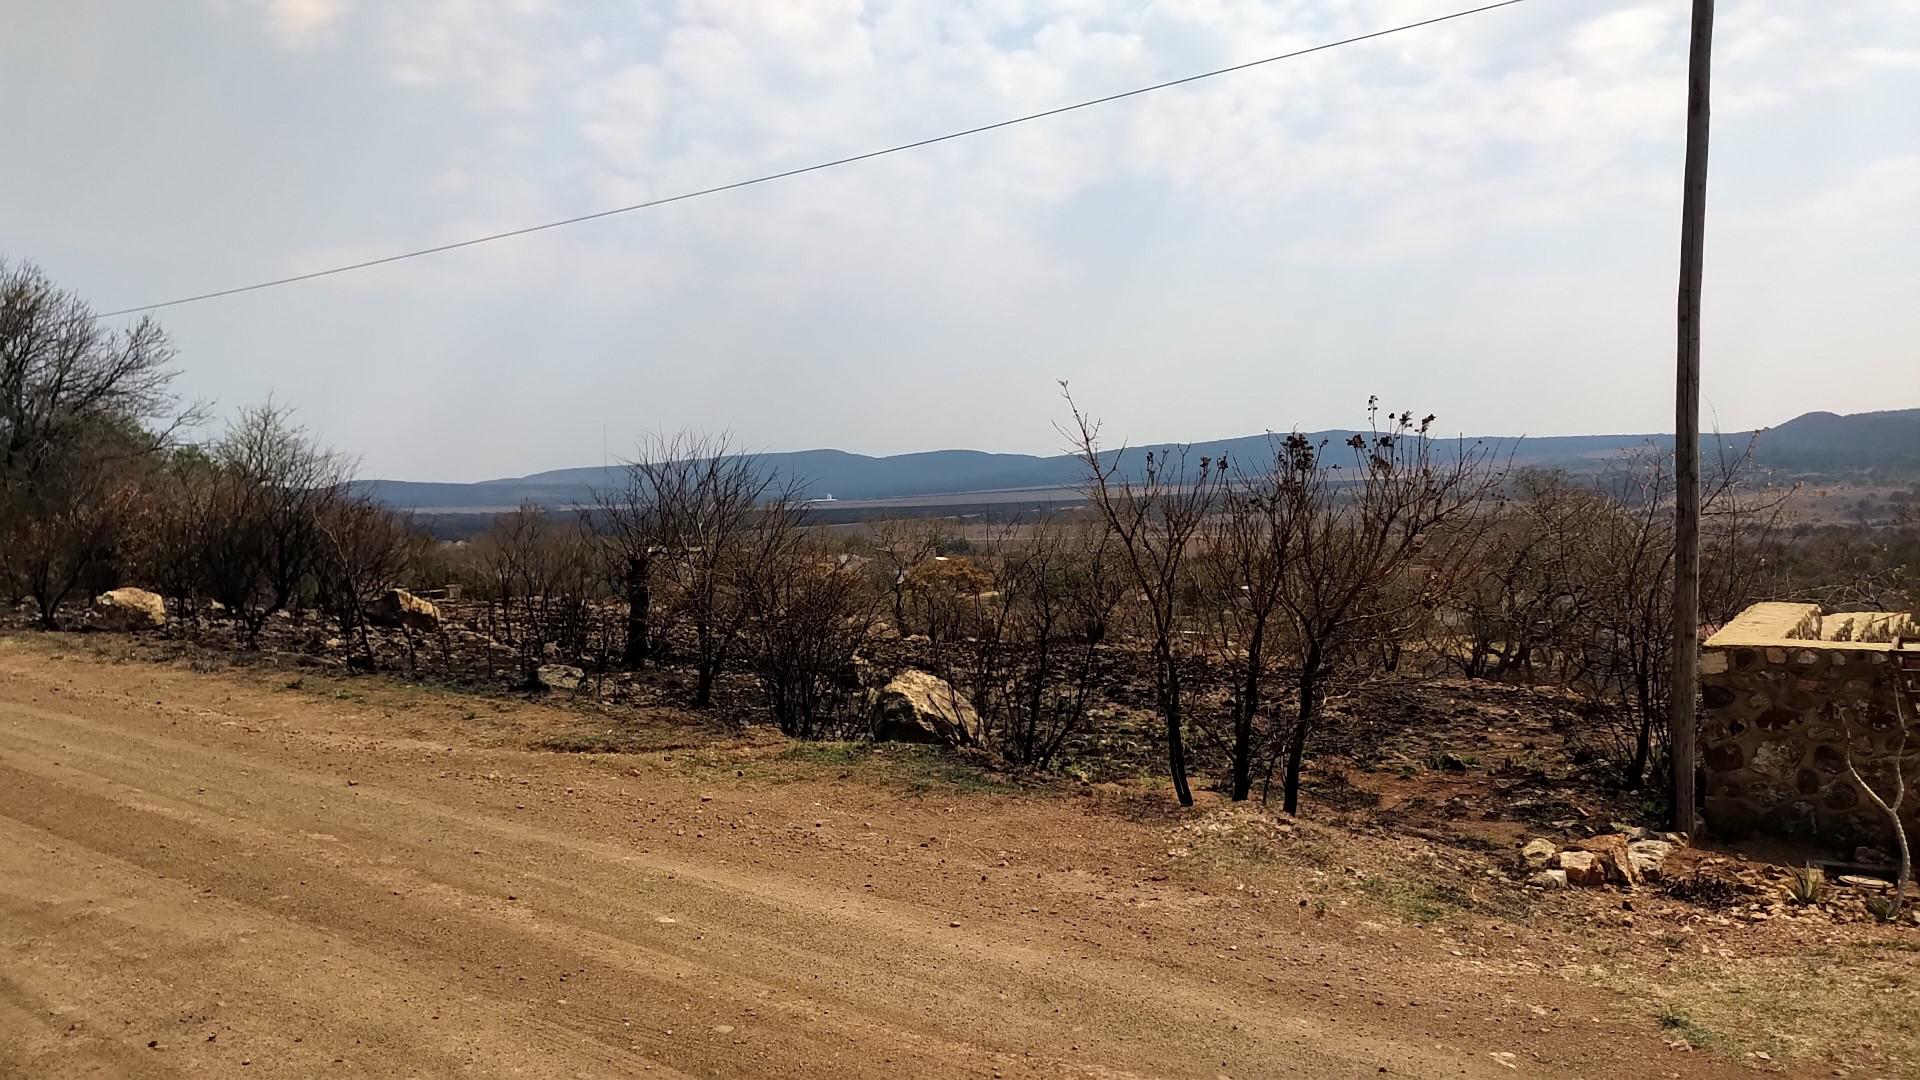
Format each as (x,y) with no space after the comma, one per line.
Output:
(1213,620)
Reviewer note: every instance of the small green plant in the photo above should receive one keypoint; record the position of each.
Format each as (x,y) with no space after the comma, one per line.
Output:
(1416,901)
(1885,907)
(1700,1038)
(1807,884)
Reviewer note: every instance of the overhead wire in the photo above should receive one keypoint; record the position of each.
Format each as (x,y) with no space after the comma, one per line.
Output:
(803,170)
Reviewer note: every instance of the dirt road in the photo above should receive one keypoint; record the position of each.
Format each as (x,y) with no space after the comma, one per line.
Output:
(218,875)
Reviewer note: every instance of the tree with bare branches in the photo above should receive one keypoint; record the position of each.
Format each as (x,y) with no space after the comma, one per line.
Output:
(274,483)
(630,522)
(537,574)
(808,613)
(1031,668)
(709,497)
(81,404)
(1155,520)
(1246,546)
(1372,548)
(366,550)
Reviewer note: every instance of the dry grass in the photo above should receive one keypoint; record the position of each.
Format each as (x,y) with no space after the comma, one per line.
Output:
(1859,1000)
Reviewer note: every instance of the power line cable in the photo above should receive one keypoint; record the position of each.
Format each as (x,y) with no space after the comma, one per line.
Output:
(770,177)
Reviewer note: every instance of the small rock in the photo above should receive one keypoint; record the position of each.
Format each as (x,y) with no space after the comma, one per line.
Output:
(1539,852)
(1649,856)
(1862,881)
(1546,879)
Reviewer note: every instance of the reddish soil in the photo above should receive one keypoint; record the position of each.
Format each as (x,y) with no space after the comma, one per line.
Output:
(230,875)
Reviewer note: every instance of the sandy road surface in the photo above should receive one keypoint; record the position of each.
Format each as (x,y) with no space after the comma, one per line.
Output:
(214,875)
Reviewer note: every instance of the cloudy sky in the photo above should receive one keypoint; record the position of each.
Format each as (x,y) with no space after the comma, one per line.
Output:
(1477,219)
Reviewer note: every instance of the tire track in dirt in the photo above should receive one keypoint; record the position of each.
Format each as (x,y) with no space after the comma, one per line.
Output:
(194,833)
(183,867)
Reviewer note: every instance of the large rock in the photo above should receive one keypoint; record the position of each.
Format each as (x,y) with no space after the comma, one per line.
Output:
(1611,851)
(1583,868)
(1539,852)
(917,707)
(558,677)
(129,609)
(400,608)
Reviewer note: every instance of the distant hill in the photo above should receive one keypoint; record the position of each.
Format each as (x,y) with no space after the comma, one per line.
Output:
(1813,442)
(1819,441)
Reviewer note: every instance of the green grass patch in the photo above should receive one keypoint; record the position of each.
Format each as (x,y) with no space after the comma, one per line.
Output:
(1416,901)
(1677,1022)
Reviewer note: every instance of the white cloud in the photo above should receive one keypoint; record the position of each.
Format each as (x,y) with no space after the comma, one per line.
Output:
(303,23)
(1897,59)
(1500,148)
(1623,38)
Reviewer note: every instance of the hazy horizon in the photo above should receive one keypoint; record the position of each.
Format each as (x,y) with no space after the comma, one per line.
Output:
(1477,220)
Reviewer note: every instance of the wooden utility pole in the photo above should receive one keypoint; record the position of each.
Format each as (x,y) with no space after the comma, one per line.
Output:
(1686,439)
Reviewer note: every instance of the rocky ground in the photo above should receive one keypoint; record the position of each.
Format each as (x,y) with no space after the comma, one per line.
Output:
(274,864)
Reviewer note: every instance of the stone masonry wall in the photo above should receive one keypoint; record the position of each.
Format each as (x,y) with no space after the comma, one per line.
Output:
(1777,704)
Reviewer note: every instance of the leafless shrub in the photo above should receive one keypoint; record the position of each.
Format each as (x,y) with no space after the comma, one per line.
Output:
(538,576)
(808,615)
(1888,789)
(709,499)
(1031,664)
(1529,584)
(366,550)
(260,537)
(1619,642)
(1155,521)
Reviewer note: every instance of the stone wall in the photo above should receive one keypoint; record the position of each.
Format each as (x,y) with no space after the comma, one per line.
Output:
(1777,703)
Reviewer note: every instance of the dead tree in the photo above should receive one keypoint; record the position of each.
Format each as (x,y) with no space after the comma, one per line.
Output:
(1155,520)
(629,521)
(366,550)
(708,496)
(808,614)
(273,484)
(1624,638)
(1247,545)
(537,577)
(1029,664)
(1370,549)
(1891,802)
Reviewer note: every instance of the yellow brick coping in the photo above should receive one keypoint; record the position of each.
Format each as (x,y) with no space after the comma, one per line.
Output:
(1802,626)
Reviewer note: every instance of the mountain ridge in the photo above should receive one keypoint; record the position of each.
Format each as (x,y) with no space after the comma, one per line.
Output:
(1814,440)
